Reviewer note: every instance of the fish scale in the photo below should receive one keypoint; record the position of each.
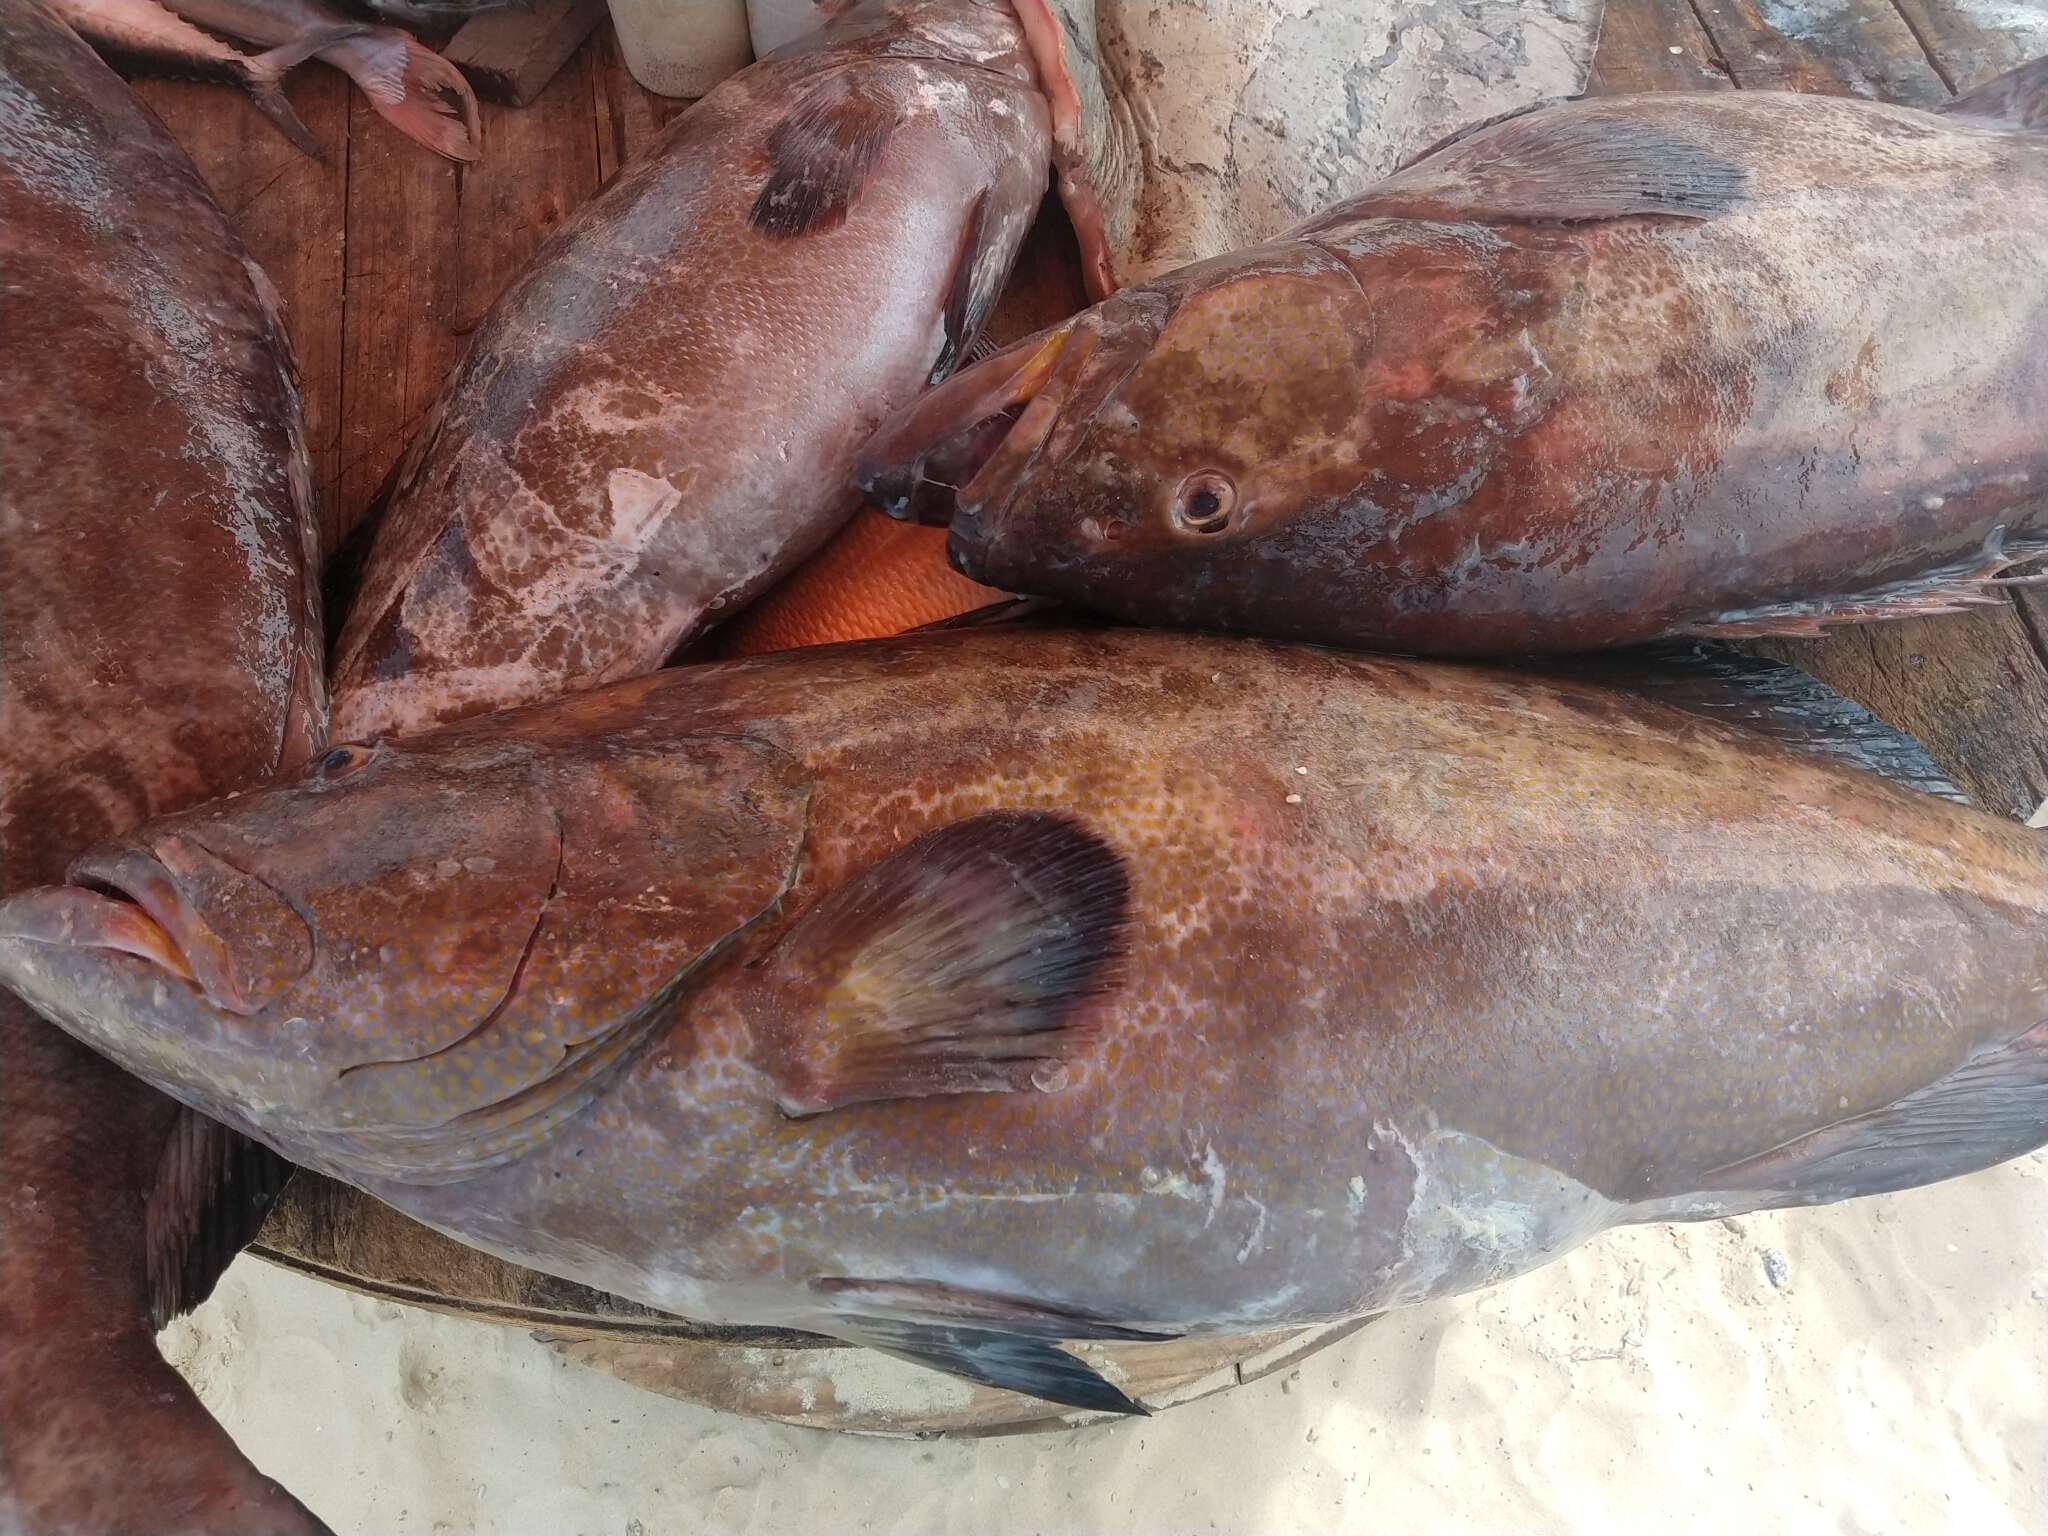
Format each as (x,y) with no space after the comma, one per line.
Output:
(1088,984)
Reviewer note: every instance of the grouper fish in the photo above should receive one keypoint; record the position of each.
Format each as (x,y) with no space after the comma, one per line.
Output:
(1616,369)
(970,991)
(660,417)
(159,645)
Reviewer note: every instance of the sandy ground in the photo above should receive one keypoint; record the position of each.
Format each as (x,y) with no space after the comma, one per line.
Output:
(1880,1366)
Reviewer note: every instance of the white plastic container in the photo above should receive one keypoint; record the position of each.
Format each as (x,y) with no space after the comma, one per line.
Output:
(682,47)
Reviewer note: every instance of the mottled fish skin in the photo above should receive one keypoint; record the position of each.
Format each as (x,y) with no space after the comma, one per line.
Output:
(159,644)
(1603,372)
(659,419)
(1413,977)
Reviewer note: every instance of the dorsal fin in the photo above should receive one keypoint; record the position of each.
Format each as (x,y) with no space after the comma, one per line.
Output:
(2016,99)
(1571,162)
(1718,682)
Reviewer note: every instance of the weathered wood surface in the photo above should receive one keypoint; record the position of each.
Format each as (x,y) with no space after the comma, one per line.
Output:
(388,257)
(512,55)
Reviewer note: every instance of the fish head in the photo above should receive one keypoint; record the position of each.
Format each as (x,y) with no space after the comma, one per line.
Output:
(1123,459)
(418,958)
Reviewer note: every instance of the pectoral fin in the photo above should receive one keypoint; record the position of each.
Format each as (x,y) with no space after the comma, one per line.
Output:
(1015,1362)
(821,157)
(960,963)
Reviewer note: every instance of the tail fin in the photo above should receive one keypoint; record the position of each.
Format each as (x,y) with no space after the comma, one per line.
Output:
(412,88)
(263,77)
(2016,99)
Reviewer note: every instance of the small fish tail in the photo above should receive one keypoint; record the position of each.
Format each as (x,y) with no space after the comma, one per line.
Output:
(2016,99)
(414,89)
(263,77)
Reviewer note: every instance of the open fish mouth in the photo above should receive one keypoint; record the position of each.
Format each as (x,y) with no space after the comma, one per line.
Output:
(78,917)
(153,903)
(962,453)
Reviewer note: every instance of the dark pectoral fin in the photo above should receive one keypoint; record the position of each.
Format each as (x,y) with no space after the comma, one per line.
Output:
(960,963)
(820,157)
(1993,1107)
(1014,1362)
(1595,160)
(1718,682)
(2016,99)
(214,1187)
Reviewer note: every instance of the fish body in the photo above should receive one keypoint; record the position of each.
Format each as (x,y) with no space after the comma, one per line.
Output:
(410,86)
(159,644)
(968,991)
(659,419)
(143,36)
(1622,368)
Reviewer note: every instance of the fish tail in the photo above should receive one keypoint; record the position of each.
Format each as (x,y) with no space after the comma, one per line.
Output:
(414,89)
(2016,99)
(263,78)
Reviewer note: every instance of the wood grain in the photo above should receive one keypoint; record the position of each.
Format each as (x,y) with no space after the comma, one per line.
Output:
(511,55)
(1655,45)
(1849,47)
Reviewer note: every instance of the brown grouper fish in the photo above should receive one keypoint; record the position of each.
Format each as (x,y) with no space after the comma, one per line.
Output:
(965,992)
(1622,368)
(159,645)
(660,418)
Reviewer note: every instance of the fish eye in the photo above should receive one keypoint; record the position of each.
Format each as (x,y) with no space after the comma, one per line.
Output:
(340,762)
(1205,503)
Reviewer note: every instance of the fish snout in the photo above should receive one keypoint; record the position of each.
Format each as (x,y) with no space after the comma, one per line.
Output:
(180,905)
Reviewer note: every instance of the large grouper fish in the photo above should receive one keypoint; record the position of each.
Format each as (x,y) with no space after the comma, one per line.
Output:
(159,645)
(1732,363)
(971,991)
(659,418)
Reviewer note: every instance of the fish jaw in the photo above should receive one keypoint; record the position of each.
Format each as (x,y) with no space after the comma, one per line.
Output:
(969,452)
(108,974)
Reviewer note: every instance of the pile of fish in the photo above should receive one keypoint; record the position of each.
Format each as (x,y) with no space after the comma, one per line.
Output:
(1026,978)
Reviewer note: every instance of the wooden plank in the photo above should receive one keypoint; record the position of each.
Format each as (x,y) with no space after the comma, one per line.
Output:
(629,116)
(863,1392)
(430,247)
(510,56)
(1655,45)
(290,211)
(1972,41)
(1842,47)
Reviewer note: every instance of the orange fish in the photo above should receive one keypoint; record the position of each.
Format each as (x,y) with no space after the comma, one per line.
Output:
(877,577)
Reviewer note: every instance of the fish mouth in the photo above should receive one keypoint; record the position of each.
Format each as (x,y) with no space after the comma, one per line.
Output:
(125,897)
(80,917)
(964,453)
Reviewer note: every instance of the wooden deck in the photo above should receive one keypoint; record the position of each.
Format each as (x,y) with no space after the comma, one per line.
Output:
(388,257)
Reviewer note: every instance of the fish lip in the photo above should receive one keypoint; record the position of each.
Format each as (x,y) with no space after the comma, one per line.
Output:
(75,917)
(137,874)
(947,424)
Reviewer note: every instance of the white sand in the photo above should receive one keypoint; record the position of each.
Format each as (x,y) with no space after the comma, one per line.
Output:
(1874,1367)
